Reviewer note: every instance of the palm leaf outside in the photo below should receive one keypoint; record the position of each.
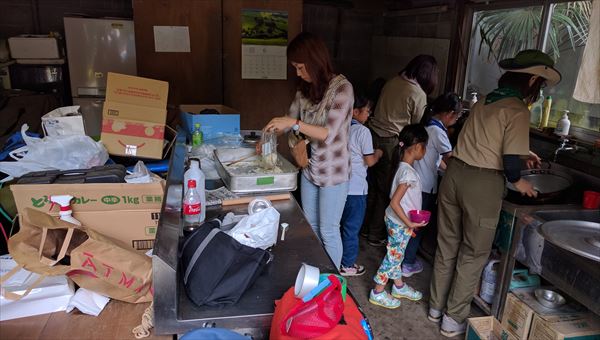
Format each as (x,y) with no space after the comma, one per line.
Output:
(505,32)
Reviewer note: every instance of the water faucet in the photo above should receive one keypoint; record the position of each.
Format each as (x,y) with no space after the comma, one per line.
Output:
(563,147)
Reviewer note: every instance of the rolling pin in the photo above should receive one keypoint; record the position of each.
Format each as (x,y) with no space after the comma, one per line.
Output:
(247,199)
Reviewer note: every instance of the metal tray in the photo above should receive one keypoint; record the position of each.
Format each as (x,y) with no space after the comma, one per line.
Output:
(256,182)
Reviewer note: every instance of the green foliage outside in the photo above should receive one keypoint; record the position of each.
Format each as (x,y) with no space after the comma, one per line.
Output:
(505,32)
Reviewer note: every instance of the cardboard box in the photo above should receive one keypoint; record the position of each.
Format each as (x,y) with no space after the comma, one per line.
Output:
(486,327)
(134,116)
(126,212)
(582,329)
(51,295)
(521,306)
(34,47)
(517,317)
(227,121)
(63,121)
(569,311)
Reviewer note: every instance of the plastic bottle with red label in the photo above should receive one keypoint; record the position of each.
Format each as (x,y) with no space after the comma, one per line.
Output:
(191,205)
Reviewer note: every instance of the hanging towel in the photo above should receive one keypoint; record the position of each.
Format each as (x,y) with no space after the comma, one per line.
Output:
(587,88)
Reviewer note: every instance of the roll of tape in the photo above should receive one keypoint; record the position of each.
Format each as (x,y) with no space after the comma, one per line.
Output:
(307,279)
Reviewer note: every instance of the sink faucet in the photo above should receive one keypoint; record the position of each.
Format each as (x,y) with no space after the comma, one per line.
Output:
(563,147)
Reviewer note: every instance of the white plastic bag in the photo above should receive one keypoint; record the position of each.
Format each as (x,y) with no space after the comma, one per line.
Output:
(258,230)
(56,153)
(140,174)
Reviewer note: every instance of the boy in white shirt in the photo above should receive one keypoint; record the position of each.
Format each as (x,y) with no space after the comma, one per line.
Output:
(362,156)
(441,114)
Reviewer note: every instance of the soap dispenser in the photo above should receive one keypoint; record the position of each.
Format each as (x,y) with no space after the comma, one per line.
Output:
(563,125)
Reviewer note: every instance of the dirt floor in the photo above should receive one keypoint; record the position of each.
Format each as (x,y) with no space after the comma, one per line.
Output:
(409,321)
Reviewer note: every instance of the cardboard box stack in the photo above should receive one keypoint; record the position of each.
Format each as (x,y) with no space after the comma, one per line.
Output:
(522,310)
(134,116)
(126,212)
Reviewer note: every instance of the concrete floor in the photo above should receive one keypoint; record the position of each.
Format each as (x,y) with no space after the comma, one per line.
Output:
(409,321)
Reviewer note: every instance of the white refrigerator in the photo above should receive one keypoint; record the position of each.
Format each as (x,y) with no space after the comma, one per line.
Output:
(94,48)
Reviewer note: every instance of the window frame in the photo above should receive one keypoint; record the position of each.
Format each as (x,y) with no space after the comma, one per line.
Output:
(464,42)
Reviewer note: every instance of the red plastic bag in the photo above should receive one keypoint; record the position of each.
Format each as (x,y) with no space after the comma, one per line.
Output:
(311,325)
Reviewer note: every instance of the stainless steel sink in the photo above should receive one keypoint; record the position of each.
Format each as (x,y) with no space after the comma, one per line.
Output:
(577,231)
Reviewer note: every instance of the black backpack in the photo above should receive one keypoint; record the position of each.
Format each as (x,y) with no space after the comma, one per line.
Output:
(217,269)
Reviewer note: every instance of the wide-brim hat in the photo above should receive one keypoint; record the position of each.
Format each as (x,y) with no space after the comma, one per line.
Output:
(533,62)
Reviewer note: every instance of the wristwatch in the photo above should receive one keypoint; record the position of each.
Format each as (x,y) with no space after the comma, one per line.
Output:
(296,126)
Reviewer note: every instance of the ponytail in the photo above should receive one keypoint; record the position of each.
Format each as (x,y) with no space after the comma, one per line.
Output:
(409,136)
(446,102)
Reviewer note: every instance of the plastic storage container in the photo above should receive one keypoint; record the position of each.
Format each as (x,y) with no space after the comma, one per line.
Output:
(488,281)
(269,150)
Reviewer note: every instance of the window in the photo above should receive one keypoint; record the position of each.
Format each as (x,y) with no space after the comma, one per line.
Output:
(501,33)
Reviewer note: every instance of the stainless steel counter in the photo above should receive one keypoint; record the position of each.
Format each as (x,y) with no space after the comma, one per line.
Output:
(174,313)
(575,275)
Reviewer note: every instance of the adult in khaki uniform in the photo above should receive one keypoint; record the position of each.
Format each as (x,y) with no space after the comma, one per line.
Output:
(494,140)
(402,102)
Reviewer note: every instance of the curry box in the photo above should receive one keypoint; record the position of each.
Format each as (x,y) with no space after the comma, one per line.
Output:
(521,307)
(486,327)
(134,116)
(126,212)
(582,329)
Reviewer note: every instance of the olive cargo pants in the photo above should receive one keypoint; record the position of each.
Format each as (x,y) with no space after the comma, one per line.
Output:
(380,184)
(469,201)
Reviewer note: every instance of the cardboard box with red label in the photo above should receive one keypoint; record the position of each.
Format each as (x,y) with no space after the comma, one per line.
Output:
(126,212)
(134,116)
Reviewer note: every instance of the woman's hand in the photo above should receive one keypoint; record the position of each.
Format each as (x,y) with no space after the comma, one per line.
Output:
(525,188)
(533,161)
(280,125)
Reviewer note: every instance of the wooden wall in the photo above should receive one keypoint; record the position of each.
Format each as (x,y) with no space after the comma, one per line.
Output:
(195,77)
(257,100)
(211,73)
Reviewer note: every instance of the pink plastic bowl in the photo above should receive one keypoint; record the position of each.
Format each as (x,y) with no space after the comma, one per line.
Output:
(419,216)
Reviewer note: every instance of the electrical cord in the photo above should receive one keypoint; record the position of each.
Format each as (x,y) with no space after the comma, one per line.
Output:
(4,233)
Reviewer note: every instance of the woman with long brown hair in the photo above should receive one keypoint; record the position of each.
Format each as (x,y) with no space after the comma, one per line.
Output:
(320,117)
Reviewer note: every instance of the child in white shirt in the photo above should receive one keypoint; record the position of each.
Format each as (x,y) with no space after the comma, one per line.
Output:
(441,114)
(362,156)
(405,196)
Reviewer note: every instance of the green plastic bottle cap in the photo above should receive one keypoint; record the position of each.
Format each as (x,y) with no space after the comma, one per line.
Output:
(549,97)
(197,125)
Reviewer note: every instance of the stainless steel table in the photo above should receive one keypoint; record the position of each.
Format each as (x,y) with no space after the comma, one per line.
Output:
(174,313)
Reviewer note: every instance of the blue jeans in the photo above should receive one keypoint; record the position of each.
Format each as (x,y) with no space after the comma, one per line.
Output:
(352,219)
(429,203)
(323,207)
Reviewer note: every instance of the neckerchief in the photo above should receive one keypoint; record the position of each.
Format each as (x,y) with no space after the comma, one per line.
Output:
(354,122)
(501,93)
(437,123)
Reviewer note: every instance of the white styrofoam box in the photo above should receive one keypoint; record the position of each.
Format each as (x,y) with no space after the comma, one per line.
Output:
(51,295)
(33,47)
